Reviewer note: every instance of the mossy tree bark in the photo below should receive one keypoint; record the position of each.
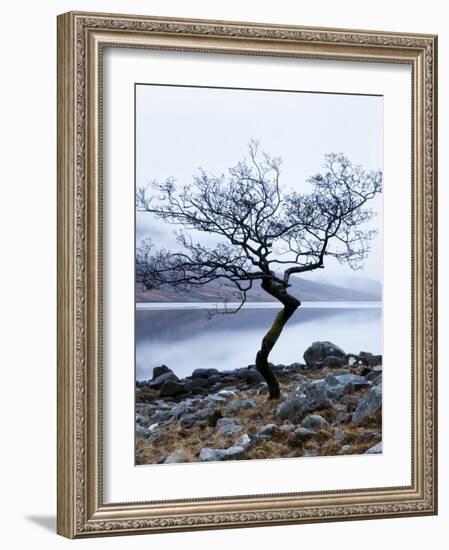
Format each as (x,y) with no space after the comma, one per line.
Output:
(290,304)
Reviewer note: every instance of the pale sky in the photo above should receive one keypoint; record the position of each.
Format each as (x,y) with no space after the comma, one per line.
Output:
(180,129)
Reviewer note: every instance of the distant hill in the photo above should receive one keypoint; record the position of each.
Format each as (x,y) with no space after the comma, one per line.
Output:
(305,290)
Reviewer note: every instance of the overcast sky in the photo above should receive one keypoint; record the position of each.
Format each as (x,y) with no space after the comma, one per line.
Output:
(179,130)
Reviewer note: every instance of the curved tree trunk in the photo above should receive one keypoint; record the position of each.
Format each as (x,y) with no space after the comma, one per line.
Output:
(291,304)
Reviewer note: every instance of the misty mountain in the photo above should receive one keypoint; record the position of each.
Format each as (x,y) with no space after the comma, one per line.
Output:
(303,289)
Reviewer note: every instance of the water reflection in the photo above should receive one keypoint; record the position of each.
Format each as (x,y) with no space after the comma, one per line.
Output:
(185,339)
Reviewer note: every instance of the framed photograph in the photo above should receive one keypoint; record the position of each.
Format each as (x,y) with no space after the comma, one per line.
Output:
(246,274)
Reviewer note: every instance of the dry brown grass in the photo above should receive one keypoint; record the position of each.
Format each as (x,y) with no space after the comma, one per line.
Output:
(283,444)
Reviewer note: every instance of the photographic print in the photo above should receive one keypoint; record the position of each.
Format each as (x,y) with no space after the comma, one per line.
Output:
(258,274)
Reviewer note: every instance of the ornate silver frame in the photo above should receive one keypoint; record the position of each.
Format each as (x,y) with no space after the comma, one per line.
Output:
(81,38)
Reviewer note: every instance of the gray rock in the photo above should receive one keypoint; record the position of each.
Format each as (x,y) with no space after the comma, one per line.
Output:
(214,401)
(370,359)
(333,361)
(189,420)
(371,402)
(204,373)
(254,377)
(157,383)
(180,409)
(160,416)
(142,432)
(374,373)
(226,393)
(196,384)
(318,352)
(228,426)
(336,392)
(158,371)
(375,449)
(243,441)
(268,429)
(291,409)
(263,390)
(174,458)
(171,388)
(309,397)
(314,422)
(286,428)
(344,450)
(348,381)
(237,405)
(212,455)
(315,395)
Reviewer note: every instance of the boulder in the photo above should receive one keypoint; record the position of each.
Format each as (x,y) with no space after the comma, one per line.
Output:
(237,405)
(371,402)
(204,373)
(163,369)
(375,449)
(157,383)
(318,351)
(314,422)
(171,388)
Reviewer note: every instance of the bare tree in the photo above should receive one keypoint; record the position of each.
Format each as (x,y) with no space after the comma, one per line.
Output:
(263,233)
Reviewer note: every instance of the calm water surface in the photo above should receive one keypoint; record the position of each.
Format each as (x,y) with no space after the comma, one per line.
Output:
(184,336)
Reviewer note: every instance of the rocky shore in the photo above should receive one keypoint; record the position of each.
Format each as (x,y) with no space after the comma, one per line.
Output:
(330,405)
